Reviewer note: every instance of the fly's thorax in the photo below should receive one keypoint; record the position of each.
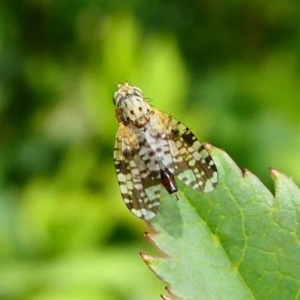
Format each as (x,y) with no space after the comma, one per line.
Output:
(136,111)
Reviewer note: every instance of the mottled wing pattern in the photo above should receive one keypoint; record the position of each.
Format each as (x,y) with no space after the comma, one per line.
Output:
(185,156)
(138,174)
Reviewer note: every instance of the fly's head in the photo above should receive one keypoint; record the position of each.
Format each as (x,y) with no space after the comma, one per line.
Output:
(131,106)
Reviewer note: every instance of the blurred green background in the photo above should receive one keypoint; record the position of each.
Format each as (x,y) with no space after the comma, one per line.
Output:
(229,70)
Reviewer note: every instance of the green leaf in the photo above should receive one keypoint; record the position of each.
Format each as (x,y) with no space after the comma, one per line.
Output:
(237,242)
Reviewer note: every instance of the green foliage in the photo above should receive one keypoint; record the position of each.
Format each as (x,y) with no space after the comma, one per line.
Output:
(238,242)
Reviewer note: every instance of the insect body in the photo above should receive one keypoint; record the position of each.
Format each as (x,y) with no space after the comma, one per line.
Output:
(151,147)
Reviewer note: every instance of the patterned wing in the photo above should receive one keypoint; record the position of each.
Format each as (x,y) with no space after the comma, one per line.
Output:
(138,173)
(185,156)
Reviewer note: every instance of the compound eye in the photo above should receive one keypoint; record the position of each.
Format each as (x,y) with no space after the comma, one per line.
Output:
(115,96)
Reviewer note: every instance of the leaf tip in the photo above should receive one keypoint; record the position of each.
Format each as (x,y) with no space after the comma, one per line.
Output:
(148,235)
(246,172)
(166,297)
(207,146)
(146,258)
(274,172)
